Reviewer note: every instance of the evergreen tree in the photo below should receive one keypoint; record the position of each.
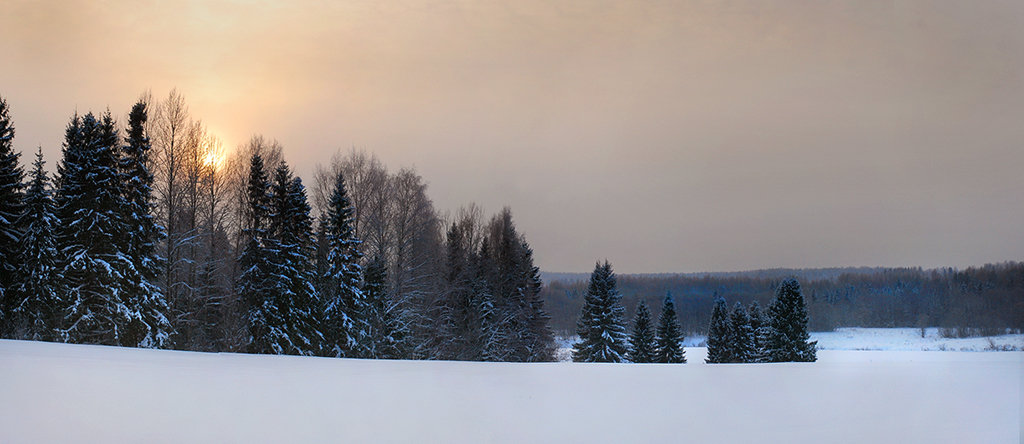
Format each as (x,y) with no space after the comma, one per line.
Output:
(148,325)
(386,327)
(761,331)
(719,347)
(36,292)
(600,327)
(642,341)
(489,317)
(267,327)
(290,247)
(669,348)
(11,208)
(741,335)
(92,235)
(346,332)
(789,336)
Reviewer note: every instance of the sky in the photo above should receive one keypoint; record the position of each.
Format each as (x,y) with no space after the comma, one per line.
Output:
(681,136)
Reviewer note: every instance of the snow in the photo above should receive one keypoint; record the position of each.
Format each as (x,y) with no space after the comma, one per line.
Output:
(890,339)
(79,393)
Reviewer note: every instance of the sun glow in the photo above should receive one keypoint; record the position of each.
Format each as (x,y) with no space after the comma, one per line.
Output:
(214,156)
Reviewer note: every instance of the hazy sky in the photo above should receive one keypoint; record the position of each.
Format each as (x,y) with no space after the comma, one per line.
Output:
(663,136)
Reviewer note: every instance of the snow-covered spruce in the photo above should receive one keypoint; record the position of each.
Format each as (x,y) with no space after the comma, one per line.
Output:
(669,344)
(35,294)
(344,307)
(789,338)
(741,335)
(11,208)
(719,347)
(601,327)
(642,341)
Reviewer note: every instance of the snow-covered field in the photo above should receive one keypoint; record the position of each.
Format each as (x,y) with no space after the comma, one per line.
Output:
(890,339)
(75,393)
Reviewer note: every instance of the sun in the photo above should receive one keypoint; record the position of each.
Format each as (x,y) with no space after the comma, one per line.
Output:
(214,155)
(213,159)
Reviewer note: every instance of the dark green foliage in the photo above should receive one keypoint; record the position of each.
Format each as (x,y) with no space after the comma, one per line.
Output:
(92,235)
(387,330)
(669,347)
(601,328)
(290,245)
(642,341)
(741,335)
(268,333)
(148,326)
(36,292)
(719,347)
(762,331)
(346,331)
(11,208)
(789,336)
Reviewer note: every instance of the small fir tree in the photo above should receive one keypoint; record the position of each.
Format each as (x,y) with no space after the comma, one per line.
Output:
(669,348)
(601,328)
(386,327)
(642,341)
(741,335)
(761,331)
(789,340)
(719,348)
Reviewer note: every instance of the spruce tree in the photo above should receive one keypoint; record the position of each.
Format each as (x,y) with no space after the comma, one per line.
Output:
(36,292)
(346,332)
(387,329)
(642,341)
(789,336)
(761,331)
(92,235)
(741,335)
(11,208)
(601,328)
(669,347)
(290,246)
(148,325)
(266,325)
(719,347)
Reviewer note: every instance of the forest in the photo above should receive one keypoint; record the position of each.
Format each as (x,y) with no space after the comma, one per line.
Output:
(981,300)
(151,234)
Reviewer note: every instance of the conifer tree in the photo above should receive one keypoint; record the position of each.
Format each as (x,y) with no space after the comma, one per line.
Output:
(741,335)
(601,328)
(642,341)
(266,325)
(719,347)
(789,336)
(669,347)
(148,325)
(290,282)
(36,292)
(92,235)
(387,329)
(761,331)
(344,322)
(11,208)
(489,317)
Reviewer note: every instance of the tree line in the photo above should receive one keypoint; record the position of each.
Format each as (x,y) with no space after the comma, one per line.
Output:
(150,235)
(778,335)
(977,300)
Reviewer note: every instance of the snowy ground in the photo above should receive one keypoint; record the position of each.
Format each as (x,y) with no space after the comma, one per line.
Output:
(75,393)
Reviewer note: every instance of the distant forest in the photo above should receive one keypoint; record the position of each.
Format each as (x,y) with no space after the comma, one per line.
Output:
(974,301)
